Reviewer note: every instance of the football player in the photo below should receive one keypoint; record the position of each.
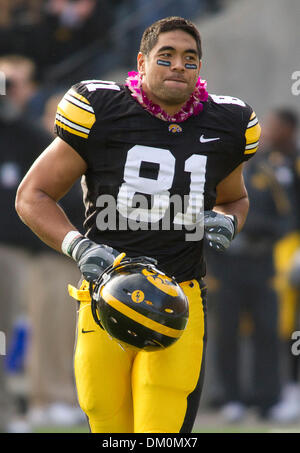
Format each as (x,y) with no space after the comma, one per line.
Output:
(142,148)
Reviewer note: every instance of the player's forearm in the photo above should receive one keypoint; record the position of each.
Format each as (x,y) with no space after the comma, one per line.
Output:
(43,216)
(239,208)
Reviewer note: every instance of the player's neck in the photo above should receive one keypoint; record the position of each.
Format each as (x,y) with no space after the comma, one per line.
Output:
(170,109)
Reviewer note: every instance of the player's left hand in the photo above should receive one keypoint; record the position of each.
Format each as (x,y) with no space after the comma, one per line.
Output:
(219,229)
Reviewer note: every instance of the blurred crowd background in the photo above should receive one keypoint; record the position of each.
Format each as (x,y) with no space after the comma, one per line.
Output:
(250,51)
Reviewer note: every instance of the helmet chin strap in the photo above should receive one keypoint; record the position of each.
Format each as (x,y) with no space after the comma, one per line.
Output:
(119,259)
(94,310)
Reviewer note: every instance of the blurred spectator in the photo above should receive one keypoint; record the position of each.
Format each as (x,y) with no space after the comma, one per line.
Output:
(279,139)
(52,314)
(72,25)
(32,296)
(49,32)
(19,12)
(245,292)
(139,14)
(21,142)
(245,297)
(27,96)
(71,40)
(21,83)
(20,24)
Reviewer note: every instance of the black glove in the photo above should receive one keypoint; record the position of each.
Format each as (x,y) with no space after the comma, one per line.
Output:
(92,258)
(219,229)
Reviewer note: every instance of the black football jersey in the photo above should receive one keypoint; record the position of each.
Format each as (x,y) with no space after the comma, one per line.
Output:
(148,181)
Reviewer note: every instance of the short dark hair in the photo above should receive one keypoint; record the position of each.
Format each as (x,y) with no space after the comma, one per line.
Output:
(151,34)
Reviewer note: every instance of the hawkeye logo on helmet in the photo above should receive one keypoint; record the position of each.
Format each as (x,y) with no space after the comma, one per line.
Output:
(138,296)
(161,282)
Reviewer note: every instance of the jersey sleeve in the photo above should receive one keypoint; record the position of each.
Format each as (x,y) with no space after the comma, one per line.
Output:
(75,118)
(252,135)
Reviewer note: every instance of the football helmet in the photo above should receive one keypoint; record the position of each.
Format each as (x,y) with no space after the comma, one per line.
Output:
(139,306)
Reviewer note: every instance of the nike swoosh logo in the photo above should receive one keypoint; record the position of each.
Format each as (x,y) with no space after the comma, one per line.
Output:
(86,331)
(205,140)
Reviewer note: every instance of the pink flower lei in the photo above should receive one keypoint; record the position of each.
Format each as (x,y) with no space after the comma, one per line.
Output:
(192,107)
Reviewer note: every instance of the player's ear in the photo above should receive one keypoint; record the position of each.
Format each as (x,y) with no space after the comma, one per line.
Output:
(199,66)
(141,63)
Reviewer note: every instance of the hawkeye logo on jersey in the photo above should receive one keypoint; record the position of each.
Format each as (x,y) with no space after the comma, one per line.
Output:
(174,128)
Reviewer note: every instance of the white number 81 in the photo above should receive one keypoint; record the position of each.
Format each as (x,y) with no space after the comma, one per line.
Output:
(158,188)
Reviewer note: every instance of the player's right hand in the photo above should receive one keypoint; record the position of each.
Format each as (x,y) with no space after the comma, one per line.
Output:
(219,229)
(92,258)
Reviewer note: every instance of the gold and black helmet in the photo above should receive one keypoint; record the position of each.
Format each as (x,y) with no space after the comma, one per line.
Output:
(139,306)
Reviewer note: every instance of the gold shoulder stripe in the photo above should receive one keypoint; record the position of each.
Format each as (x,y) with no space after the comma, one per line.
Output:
(252,151)
(78,96)
(79,103)
(252,135)
(251,148)
(252,145)
(140,319)
(252,123)
(71,124)
(76,114)
(69,129)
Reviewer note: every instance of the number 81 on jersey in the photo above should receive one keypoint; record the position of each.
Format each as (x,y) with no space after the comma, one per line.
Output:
(188,208)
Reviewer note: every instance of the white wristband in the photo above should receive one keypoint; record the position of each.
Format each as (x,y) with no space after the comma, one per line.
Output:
(68,239)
